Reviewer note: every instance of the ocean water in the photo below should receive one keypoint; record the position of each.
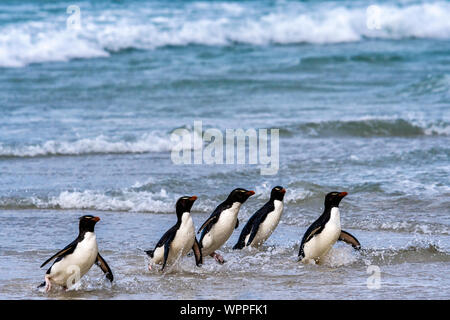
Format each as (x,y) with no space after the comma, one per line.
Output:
(361,98)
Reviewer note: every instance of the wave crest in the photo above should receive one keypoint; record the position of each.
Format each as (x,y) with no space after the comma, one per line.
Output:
(128,200)
(149,142)
(368,128)
(217,24)
(413,253)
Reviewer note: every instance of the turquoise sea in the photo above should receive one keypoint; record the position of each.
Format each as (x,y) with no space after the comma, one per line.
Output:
(90,92)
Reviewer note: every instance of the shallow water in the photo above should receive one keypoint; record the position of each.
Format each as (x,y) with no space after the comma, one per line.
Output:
(86,118)
(407,262)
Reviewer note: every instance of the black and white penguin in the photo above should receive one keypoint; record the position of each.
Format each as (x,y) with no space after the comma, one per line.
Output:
(178,240)
(220,225)
(75,260)
(325,231)
(261,225)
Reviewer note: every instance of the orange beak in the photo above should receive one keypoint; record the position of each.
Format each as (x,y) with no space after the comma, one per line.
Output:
(343,194)
(96,219)
(193,198)
(250,193)
(283,190)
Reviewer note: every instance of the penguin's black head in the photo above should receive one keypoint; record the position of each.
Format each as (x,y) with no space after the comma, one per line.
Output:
(87,223)
(332,199)
(184,204)
(240,195)
(278,193)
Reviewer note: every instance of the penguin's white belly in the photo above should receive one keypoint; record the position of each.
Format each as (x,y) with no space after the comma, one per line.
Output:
(75,265)
(320,244)
(184,238)
(181,244)
(221,231)
(268,226)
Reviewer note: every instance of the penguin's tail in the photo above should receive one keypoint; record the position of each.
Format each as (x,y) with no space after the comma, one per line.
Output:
(41,285)
(150,253)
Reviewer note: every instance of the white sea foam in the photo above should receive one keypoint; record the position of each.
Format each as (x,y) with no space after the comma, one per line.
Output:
(292,195)
(35,42)
(123,200)
(216,24)
(149,142)
(438,129)
(93,200)
(140,184)
(339,256)
(409,227)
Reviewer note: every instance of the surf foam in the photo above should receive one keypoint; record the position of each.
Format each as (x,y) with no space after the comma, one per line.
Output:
(149,142)
(217,24)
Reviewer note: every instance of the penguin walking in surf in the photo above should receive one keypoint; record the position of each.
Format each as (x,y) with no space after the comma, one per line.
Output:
(178,240)
(261,225)
(325,231)
(75,260)
(220,225)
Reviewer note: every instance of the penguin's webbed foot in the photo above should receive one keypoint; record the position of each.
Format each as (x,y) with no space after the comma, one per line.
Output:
(48,284)
(217,257)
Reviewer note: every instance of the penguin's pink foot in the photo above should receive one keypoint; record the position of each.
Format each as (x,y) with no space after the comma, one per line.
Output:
(48,284)
(217,257)
(149,267)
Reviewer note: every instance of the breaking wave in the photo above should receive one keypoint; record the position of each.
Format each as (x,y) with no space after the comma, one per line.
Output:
(150,26)
(413,253)
(128,201)
(410,227)
(93,200)
(97,145)
(135,199)
(149,142)
(368,128)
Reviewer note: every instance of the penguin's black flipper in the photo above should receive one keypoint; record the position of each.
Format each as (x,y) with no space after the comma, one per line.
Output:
(62,253)
(313,230)
(254,232)
(246,231)
(237,224)
(348,238)
(209,223)
(41,285)
(259,217)
(104,266)
(252,224)
(168,237)
(166,253)
(197,253)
